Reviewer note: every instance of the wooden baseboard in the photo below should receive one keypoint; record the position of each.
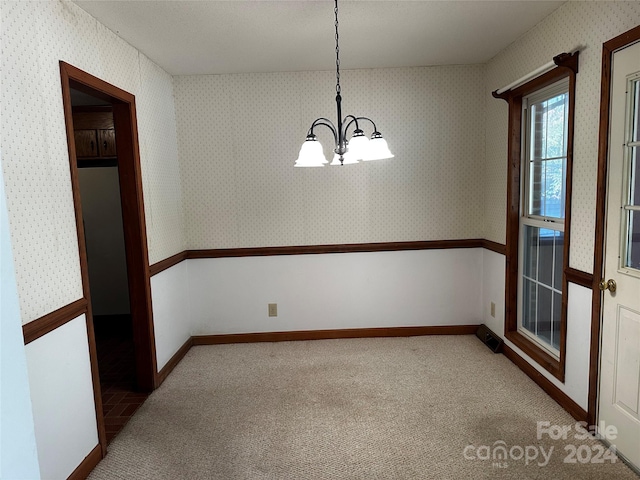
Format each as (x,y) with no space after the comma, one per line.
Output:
(333,334)
(575,410)
(171,364)
(88,464)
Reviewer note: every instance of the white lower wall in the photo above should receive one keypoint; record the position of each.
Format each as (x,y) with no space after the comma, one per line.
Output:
(172,324)
(578,345)
(493,290)
(576,384)
(62,394)
(329,291)
(335,291)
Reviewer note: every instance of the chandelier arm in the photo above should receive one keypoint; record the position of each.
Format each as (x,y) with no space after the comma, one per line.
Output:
(352,120)
(320,120)
(327,123)
(375,129)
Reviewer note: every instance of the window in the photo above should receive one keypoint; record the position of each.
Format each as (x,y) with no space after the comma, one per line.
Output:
(542,213)
(538,213)
(630,260)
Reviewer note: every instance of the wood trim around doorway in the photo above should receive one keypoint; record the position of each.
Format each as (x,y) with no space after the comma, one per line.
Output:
(125,123)
(608,49)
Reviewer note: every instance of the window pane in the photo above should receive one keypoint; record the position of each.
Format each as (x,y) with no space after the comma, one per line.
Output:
(548,127)
(555,126)
(635,177)
(529,305)
(553,193)
(545,261)
(559,253)
(545,314)
(530,251)
(542,283)
(542,258)
(546,180)
(633,240)
(557,313)
(536,182)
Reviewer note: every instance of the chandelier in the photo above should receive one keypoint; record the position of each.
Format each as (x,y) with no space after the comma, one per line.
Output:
(357,148)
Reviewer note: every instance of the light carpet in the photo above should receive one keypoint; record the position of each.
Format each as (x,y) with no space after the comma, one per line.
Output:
(385,408)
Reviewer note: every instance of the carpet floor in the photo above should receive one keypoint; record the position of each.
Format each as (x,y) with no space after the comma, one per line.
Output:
(436,407)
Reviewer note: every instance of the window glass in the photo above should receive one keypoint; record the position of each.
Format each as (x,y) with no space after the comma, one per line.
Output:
(547,120)
(634,195)
(530,250)
(633,240)
(632,157)
(557,318)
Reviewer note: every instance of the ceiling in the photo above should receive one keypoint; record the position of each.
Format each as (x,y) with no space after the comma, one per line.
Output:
(213,37)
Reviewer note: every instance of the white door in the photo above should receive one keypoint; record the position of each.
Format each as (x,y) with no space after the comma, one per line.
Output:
(619,395)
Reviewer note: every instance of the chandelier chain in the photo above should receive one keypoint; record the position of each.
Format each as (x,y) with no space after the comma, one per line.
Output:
(335,10)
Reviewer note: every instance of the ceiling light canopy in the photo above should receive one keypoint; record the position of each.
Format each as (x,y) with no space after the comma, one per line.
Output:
(347,152)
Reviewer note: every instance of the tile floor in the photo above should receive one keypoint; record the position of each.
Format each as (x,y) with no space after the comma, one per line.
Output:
(116,364)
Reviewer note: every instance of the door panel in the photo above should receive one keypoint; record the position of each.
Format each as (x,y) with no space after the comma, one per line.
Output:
(627,365)
(619,395)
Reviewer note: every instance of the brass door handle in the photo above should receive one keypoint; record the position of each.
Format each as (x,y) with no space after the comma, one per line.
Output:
(610,285)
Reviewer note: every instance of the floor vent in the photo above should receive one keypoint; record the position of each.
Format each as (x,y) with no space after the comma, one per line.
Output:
(490,339)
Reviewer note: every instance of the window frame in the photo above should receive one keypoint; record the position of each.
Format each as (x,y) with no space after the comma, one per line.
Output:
(566,67)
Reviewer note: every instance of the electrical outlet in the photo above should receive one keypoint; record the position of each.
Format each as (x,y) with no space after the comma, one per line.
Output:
(493,309)
(273,309)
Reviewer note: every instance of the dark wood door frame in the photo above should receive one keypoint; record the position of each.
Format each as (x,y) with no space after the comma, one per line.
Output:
(608,49)
(133,219)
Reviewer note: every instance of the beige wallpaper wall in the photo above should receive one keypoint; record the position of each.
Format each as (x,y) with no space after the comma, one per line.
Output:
(159,161)
(238,137)
(35,36)
(584,24)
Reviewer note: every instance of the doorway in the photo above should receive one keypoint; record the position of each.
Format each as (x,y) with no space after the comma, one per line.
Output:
(618,394)
(107,191)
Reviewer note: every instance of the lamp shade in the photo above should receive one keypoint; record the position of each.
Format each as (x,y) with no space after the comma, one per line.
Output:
(311,153)
(358,145)
(377,149)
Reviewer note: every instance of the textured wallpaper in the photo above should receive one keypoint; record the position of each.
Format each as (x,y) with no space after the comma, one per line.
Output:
(238,137)
(35,36)
(159,162)
(584,24)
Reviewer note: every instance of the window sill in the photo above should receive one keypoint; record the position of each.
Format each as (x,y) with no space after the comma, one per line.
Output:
(552,365)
